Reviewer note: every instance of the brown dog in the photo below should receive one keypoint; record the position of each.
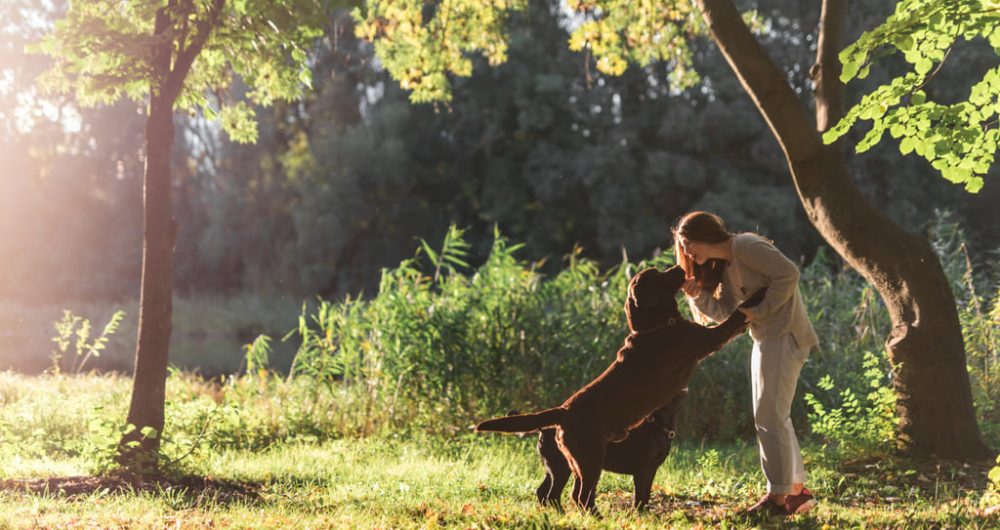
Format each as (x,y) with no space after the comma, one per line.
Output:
(639,454)
(650,370)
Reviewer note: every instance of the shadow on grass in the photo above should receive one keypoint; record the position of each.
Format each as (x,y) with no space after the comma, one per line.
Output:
(192,489)
(886,480)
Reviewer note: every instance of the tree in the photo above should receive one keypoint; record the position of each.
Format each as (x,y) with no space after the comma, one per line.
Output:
(959,139)
(175,55)
(925,343)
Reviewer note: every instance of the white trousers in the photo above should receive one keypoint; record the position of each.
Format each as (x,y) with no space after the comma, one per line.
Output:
(774,370)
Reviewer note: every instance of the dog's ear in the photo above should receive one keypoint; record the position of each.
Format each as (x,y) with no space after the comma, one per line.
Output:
(639,296)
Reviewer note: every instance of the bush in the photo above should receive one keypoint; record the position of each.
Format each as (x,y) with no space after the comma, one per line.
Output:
(441,346)
(436,350)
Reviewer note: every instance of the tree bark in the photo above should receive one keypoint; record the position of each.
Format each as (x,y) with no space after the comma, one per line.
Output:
(156,296)
(138,450)
(925,345)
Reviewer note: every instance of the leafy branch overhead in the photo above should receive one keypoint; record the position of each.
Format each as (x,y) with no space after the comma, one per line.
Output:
(103,50)
(422,42)
(958,139)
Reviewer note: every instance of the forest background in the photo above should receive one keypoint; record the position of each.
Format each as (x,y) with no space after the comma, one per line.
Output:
(372,276)
(349,180)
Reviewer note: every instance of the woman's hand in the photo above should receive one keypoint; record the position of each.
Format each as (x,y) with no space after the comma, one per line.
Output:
(691,288)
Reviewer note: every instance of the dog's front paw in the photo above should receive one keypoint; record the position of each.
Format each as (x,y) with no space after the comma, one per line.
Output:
(755,299)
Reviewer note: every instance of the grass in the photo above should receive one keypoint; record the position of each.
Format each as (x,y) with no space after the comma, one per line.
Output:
(487,482)
(372,432)
(208,330)
(410,480)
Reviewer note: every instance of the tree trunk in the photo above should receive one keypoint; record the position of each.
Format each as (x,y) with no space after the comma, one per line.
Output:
(138,449)
(925,345)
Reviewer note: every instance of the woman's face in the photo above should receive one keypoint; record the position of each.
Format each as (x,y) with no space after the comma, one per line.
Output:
(697,251)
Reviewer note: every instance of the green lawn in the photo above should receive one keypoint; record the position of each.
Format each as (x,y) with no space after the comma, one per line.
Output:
(477,482)
(256,469)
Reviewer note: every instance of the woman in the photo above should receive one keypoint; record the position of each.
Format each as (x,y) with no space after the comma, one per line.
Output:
(722,270)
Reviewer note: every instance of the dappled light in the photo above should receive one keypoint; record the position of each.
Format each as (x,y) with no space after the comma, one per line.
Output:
(269,264)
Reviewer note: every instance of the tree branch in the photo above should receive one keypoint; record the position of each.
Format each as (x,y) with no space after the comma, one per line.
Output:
(763,81)
(160,53)
(934,74)
(828,89)
(182,36)
(203,30)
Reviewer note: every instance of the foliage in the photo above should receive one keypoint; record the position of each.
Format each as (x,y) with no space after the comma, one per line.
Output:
(442,352)
(104,51)
(577,322)
(256,355)
(420,54)
(442,344)
(978,314)
(618,31)
(75,330)
(958,139)
(345,182)
(101,444)
(857,426)
(420,50)
(992,497)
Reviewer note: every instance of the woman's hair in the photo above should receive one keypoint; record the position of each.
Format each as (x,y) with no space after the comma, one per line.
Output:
(703,227)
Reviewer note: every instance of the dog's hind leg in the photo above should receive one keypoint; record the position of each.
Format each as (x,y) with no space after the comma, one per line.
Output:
(550,491)
(556,470)
(643,482)
(586,458)
(587,490)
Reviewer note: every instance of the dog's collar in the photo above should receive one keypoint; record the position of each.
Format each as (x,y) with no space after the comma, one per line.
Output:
(670,322)
(667,431)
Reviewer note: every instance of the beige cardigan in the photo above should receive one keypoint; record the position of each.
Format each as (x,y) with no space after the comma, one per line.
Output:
(757,263)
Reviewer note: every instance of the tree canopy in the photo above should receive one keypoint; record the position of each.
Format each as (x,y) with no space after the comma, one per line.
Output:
(420,43)
(959,138)
(102,52)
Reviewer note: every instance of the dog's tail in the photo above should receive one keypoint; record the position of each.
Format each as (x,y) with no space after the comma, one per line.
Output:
(524,422)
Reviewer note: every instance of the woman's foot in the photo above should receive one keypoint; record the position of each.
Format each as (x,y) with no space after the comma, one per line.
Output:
(783,505)
(765,506)
(801,503)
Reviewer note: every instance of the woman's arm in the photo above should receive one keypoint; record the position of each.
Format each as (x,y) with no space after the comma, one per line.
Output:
(781,273)
(716,309)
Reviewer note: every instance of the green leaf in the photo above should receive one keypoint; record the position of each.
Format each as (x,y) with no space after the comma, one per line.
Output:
(974,184)
(923,65)
(430,253)
(906,145)
(956,174)
(849,71)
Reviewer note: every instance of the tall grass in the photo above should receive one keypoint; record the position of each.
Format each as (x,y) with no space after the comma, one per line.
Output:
(208,331)
(977,296)
(441,345)
(436,349)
